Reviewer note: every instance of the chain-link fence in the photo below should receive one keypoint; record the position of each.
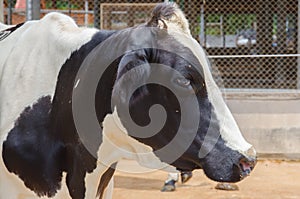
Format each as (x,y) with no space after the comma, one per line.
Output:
(252,43)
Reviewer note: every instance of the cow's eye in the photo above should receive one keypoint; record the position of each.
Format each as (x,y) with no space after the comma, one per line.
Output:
(181,81)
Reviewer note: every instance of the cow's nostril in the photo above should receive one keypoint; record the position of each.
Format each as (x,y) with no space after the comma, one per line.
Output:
(246,166)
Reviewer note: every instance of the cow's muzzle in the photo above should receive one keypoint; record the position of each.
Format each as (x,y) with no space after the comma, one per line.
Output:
(247,163)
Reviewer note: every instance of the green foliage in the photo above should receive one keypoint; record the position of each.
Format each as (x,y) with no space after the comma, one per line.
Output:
(232,23)
(237,22)
(61,5)
(13,2)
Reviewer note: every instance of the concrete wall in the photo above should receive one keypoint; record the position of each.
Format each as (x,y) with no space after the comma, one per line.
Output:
(270,122)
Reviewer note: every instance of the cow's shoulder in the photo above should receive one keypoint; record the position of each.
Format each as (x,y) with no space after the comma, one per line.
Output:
(31,58)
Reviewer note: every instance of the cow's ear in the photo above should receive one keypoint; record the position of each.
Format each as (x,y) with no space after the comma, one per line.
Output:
(133,70)
(31,152)
(159,23)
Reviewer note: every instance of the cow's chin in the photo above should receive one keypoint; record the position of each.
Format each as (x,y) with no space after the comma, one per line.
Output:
(185,165)
(224,174)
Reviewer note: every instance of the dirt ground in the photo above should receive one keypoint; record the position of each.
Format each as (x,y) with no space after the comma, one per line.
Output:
(270,179)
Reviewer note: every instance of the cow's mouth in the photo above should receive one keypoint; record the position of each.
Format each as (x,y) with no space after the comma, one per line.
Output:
(246,166)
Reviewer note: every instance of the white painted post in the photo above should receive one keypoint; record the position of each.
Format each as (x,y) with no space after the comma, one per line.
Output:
(33,9)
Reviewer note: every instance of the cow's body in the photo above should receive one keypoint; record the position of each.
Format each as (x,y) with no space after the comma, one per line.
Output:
(44,67)
(31,58)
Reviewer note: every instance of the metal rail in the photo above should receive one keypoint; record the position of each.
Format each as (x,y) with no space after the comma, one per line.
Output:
(250,56)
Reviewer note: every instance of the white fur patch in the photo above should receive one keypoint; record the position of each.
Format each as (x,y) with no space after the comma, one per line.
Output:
(116,145)
(178,21)
(119,144)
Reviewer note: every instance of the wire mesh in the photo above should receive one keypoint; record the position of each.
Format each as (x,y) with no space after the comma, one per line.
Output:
(256,28)
(252,43)
(122,15)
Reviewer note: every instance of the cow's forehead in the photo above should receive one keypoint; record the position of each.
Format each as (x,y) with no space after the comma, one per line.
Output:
(155,38)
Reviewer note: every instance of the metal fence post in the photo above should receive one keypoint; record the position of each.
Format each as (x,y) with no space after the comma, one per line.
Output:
(9,12)
(33,9)
(86,14)
(202,27)
(1,11)
(298,46)
(97,14)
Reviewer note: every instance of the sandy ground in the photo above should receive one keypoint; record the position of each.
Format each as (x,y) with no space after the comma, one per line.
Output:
(270,179)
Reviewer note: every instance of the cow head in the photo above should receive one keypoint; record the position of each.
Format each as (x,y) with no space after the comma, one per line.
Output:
(166,98)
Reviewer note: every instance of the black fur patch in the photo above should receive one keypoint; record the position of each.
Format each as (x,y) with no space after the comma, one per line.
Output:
(79,161)
(105,178)
(32,153)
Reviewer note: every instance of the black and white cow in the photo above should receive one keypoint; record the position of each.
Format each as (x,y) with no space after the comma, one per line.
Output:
(50,146)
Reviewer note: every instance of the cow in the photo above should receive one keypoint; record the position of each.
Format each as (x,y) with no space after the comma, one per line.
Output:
(75,101)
